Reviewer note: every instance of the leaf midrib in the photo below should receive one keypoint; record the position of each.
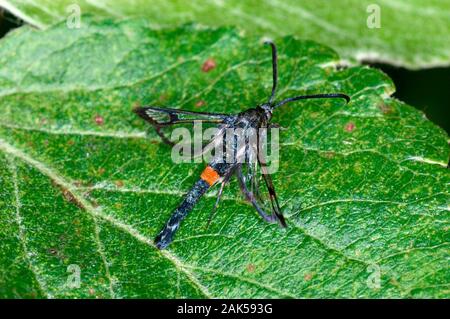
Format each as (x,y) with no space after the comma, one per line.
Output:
(96,213)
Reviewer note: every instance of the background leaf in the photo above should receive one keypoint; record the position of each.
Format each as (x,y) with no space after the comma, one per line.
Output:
(414,34)
(364,186)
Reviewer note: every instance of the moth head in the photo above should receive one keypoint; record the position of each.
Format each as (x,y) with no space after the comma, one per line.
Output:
(267,108)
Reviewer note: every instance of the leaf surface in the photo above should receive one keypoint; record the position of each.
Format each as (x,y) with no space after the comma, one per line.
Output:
(363,186)
(413,34)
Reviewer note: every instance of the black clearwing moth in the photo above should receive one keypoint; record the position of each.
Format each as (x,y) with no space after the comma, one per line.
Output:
(248,171)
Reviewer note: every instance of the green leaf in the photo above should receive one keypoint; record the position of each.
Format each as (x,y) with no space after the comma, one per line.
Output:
(364,185)
(413,34)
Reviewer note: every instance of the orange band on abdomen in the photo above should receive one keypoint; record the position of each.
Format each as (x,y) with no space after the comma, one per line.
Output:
(209,175)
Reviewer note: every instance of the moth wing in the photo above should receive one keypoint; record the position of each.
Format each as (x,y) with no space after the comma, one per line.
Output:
(167,116)
(162,118)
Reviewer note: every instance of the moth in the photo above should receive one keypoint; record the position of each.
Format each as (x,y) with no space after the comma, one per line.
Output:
(249,171)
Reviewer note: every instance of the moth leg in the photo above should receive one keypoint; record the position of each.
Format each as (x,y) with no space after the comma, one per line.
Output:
(270,187)
(225,181)
(251,198)
(273,197)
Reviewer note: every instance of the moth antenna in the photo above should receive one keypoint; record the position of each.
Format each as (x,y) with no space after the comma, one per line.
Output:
(314,96)
(274,70)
